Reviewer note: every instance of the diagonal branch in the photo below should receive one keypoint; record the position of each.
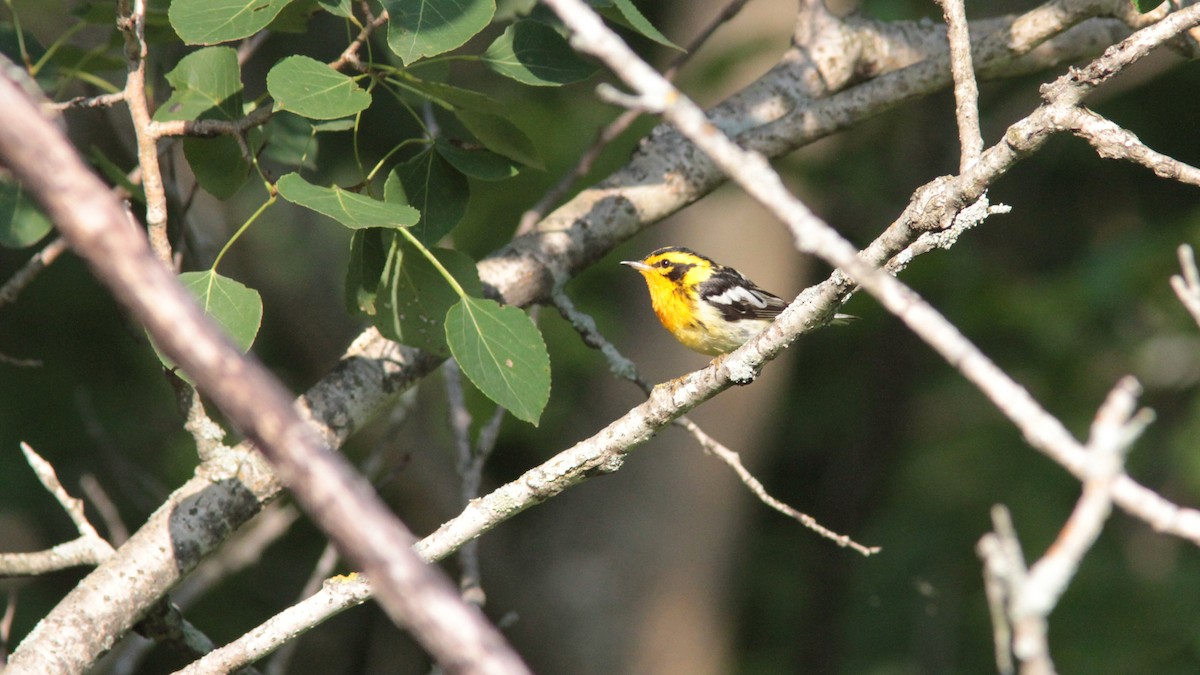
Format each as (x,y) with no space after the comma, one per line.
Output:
(95,225)
(750,170)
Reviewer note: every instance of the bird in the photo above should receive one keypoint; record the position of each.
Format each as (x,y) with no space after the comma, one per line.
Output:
(709,307)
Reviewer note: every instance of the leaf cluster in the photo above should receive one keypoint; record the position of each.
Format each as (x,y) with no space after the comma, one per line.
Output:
(401,276)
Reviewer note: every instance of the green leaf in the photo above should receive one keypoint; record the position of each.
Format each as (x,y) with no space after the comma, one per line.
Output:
(208,22)
(1146,6)
(337,7)
(503,353)
(368,257)
(630,16)
(414,297)
(420,28)
(21,223)
(291,140)
(511,10)
(501,136)
(475,162)
(218,164)
(450,97)
(340,124)
(295,17)
(232,306)
(207,83)
(348,208)
(312,89)
(534,53)
(436,189)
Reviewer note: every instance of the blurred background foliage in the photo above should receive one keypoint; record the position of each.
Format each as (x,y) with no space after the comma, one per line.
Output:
(670,566)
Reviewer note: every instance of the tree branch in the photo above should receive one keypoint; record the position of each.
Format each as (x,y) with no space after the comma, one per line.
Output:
(966,91)
(96,227)
(88,549)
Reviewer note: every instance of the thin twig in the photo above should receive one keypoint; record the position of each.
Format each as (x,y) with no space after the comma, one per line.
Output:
(470,579)
(117,532)
(1111,141)
(471,459)
(250,45)
(89,548)
(349,56)
(101,101)
(1117,425)
(29,271)
(339,500)
(734,461)
(1004,571)
(966,91)
(1187,285)
(19,362)
(751,171)
(321,570)
(49,479)
(624,368)
(137,100)
(10,611)
(1023,598)
(615,128)
(207,434)
(967,218)
(210,127)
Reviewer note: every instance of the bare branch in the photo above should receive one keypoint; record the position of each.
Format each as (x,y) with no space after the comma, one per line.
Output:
(102,101)
(1003,570)
(615,128)
(349,56)
(624,368)
(755,176)
(1021,598)
(29,271)
(1187,286)
(137,99)
(966,219)
(734,461)
(210,127)
(1114,142)
(88,549)
(117,532)
(95,225)
(469,462)
(336,595)
(322,569)
(966,91)
(10,611)
(1116,427)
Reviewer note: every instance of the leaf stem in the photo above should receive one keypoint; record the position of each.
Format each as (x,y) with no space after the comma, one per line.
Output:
(398,148)
(412,239)
(246,225)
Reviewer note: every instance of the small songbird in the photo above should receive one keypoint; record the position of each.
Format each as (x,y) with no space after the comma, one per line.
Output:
(710,308)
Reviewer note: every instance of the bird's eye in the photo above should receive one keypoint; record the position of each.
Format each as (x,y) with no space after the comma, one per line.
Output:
(664,264)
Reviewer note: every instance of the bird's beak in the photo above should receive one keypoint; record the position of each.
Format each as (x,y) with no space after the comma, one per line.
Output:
(637,265)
